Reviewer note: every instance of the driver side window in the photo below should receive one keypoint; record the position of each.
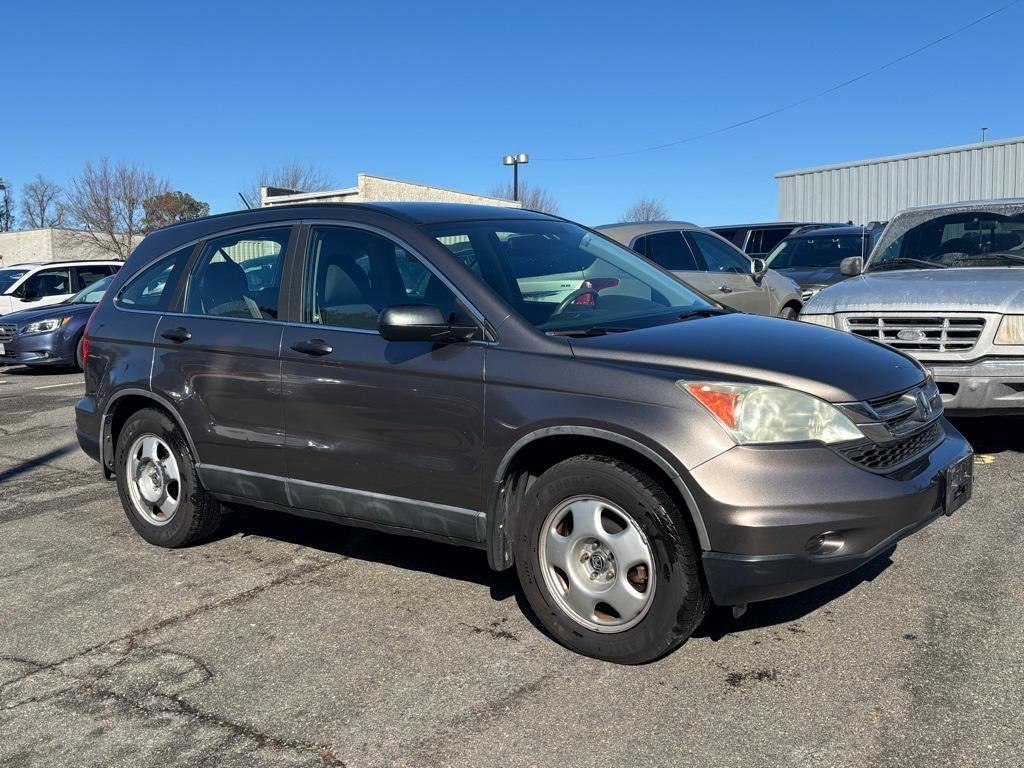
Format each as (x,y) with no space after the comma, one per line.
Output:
(719,255)
(48,282)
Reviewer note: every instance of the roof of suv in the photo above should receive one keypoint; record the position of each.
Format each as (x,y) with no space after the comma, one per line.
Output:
(831,231)
(627,231)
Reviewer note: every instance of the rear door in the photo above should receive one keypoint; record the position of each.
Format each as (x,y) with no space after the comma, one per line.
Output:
(729,276)
(390,433)
(87,274)
(217,359)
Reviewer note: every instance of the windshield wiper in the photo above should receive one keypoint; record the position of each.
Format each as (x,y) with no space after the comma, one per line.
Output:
(908,260)
(579,333)
(1005,255)
(709,312)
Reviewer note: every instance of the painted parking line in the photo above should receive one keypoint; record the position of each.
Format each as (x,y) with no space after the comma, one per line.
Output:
(66,384)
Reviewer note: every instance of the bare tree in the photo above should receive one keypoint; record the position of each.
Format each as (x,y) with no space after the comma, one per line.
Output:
(531,197)
(645,209)
(6,207)
(107,202)
(302,177)
(41,204)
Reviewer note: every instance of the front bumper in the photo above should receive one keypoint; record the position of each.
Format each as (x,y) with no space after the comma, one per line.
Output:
(988,386)
(763,506)
(38,349)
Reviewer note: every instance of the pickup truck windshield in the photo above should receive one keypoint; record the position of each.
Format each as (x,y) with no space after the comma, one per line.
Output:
(964,239)
(821,251)
(560,277)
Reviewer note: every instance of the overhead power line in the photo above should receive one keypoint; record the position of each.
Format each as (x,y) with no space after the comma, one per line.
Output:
(772,113)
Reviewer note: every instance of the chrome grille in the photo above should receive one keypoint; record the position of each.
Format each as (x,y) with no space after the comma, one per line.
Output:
(919,334)
(882,457)
(7,333)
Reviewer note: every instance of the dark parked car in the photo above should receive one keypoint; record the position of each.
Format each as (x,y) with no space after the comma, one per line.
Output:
(50,336)
(758,240)
(634,449)
(812,258)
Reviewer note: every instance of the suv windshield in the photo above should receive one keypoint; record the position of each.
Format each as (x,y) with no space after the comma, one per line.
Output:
(820,251)
(93,293)
(560,277)
(9,277)
(964,239)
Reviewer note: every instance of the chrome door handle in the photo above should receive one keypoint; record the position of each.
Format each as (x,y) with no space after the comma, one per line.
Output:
(177,335)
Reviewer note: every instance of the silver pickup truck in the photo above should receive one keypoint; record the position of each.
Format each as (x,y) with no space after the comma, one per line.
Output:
(944,284)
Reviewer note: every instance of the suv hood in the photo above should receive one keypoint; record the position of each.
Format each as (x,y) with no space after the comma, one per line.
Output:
(805,276)
(835,366)
(41,313)
(966,289)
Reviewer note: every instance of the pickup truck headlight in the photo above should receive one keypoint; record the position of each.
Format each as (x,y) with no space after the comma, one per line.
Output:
(829,321)
(45,326)
(1011,330)
(756,413)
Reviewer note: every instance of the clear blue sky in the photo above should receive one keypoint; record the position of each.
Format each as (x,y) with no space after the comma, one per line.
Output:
(206,94)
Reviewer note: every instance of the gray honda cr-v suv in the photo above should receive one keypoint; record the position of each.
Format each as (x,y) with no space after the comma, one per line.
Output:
(633,448)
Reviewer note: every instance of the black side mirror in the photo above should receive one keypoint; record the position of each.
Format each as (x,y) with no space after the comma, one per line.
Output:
(852,266)
(421,322)
(758,268)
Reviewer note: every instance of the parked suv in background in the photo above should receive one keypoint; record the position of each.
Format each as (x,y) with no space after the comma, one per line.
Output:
(713,266)
(53,335)
(758,240)
(945,284)
(634,456)
(30,286)
(812,258)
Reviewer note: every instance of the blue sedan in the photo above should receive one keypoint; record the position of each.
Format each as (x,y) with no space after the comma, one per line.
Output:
(50,335)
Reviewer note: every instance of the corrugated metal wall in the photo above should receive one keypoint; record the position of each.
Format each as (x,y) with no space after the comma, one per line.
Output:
(875,190)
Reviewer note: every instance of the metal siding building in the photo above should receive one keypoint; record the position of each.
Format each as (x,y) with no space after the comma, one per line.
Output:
(875,190)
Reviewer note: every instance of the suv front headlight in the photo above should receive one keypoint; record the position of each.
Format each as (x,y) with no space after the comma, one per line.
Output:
(828,321)
(757,413)
(45,326)
(1011,330)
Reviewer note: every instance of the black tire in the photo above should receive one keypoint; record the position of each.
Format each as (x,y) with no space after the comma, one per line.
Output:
(681,597)
(198,514)
(80,354)
(789,312)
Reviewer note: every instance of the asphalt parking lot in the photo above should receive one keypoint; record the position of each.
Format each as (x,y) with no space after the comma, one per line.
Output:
(289,642)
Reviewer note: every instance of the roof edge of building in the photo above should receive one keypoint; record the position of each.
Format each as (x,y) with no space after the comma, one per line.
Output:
(906,156)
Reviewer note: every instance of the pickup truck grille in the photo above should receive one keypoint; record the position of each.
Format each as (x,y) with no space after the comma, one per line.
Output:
(7,333)
(880,458)
(919,334)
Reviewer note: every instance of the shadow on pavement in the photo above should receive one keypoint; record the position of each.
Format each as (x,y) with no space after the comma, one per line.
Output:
(413,554)
(27,465)
(719,621)
(993,434)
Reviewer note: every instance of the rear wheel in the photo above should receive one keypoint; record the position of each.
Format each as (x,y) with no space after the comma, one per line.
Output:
(789,312)
(607,563)
(158,484)
(80,354)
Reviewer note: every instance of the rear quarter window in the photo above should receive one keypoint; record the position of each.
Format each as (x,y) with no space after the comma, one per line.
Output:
(153,287)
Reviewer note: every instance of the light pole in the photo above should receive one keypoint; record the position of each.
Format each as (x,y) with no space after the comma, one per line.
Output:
(515,161)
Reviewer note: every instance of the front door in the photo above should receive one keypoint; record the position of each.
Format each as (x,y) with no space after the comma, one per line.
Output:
(728,276)
(384,432)
(218,362)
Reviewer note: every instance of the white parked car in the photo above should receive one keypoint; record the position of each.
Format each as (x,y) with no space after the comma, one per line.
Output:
(30,286)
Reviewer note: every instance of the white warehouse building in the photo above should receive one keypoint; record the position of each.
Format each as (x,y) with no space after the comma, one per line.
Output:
(877,189)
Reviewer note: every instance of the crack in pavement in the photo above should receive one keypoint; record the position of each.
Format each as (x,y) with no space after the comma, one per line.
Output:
(162,704)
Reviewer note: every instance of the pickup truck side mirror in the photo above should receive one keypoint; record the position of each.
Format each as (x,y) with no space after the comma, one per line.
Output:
(421,322)
(852,266)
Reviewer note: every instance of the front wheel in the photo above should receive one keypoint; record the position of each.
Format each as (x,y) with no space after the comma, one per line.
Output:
(788,312)
(158,483)
(607,562)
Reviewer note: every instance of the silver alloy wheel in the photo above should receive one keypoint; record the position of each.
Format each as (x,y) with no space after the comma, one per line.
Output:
(597,564)
(154,482)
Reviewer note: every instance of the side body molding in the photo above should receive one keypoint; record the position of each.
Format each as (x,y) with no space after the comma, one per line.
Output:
(499,547)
